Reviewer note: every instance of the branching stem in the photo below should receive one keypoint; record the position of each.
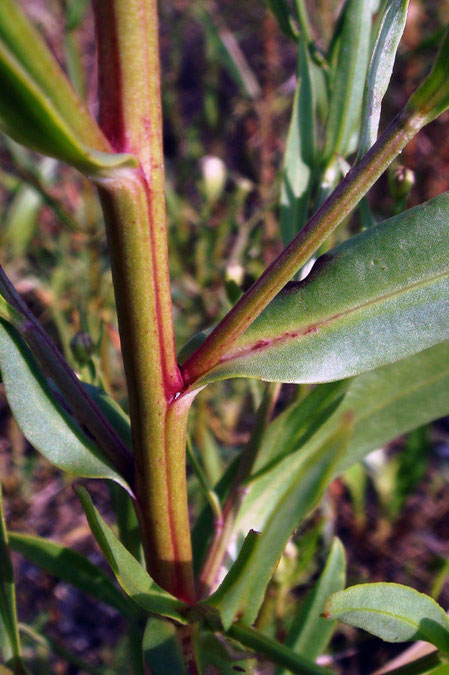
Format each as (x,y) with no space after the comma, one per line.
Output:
(332,212)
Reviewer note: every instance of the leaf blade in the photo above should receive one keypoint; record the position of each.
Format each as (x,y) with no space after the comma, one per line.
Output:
(310,632)
(391,281)
(380,69)
(393,612)
(43,421)
(132,577)
(161,647)
(9,632)
(299,150)
(41,109)
(243,589)
(385,403)
(72,567)
(348,77)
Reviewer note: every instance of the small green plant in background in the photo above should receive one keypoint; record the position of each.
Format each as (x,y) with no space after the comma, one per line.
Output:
(367,327)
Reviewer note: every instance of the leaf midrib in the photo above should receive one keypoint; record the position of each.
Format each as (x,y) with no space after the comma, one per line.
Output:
(316,325)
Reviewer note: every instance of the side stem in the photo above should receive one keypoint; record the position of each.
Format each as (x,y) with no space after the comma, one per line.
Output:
(332,212)
(224,525)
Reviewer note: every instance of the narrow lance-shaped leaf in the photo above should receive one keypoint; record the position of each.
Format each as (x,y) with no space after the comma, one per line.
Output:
(10,647)
(432,97)
(310,632)
(243,589)
(74,568)
(66,382)
(296,425)
(380,69)
(132,577)
(162,648)
(299,150)
(275,651)
(39,107)
(348,77)
(112,411)
(47,426)
(379,297)
(384,403)
(392,612)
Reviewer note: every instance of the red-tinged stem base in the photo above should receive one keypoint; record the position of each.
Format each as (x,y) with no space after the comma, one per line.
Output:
(163,508)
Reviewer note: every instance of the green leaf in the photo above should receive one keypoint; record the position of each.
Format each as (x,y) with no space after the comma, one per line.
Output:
(162,649)
(385,403)
(275,651)
(47,426)
(299,422)
(41,109)
(114,413)
(21,220)
(283,16)
(348,77)
(380,69)
(9,634)
(132,577)
(74,568)
(432,97)
(243,589)
(229,598)
(299,151)
(392,612)
(310,632)
(214,652)
(377,298)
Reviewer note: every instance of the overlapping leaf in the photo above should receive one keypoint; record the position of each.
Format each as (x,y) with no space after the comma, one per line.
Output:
(38,107)
(380,69)
(243,589)
(162,649)
(9,634)
(132,577)
(348,78)
(44,422)
(384,403)
(70,566)
(299,151)
(310,632)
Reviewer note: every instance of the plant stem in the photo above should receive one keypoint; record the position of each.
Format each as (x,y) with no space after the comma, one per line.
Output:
(134,207)
(224,525)
(332,212)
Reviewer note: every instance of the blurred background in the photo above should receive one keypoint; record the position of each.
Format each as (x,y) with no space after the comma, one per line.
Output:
(228,83)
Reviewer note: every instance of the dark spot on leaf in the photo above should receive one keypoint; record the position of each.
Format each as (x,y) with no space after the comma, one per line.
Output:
(260,344)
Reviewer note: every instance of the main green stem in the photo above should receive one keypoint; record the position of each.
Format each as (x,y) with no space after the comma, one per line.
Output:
(133,202)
